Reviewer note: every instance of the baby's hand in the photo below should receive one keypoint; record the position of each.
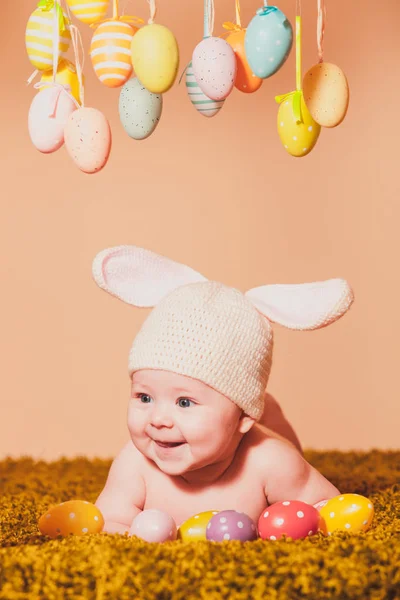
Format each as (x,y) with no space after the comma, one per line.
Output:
(123,496)
(290,477)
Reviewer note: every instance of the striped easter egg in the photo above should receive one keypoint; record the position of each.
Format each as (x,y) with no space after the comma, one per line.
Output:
(39,39)
(89,11)
(110,52)
(202,103)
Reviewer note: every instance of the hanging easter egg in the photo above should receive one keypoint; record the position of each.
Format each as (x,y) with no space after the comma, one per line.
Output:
(231,525)
(76,517)
(88,139)
(347,512)
(326,93)
(296,127)
(47,117)
(202,103)
(292,518)
(214,67)
(110,52)
(155,57)
(268,41)
(40,33)
(194,529)
(66,75)
(246,81)
(139,109)
(89,11)
(154,526)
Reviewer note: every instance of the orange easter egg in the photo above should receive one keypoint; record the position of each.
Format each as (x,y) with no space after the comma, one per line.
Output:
(245,80)
(75,516)
(110,52)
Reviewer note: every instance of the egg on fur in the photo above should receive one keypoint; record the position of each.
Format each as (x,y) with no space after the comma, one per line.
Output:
(66,75)
(139,109)
(298,139)
(326,93)
(76,517)
(214,67)
(155,57)
(195,528)
(154,525)
(202,103)
(88,139)
(246,81)
(347,512)
(48,114)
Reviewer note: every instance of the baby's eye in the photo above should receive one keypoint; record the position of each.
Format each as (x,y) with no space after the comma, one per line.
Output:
(145,398)
(185,402)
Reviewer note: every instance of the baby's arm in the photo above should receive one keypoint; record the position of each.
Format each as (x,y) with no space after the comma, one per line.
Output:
(123,496)
(290,477)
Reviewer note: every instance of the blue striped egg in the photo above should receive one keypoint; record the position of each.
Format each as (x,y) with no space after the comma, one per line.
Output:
(202,103)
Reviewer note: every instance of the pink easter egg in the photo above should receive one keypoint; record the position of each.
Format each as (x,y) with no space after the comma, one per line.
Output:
(48,114)
(88,139)
(214,67)
(292,518)
(154,526)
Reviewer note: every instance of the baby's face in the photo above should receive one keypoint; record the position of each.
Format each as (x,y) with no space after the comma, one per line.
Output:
(180,423)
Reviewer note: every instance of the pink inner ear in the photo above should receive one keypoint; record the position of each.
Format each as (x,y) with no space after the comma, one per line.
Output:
(138,276)
(303,306)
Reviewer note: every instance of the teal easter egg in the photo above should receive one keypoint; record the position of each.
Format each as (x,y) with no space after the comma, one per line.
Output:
(268,41)
(139,109)
(202,103)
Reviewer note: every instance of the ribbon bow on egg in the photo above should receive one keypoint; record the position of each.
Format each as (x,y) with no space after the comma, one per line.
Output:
(48,5)
(296,103)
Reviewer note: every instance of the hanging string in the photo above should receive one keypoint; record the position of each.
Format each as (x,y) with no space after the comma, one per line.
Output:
(237,10)
(115,10)
(153,10)
(321,29)
(78,47)
(233,26)
(298,53)
(56,38)
(208,18)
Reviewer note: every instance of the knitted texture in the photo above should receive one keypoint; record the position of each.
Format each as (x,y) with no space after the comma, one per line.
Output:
(212,333)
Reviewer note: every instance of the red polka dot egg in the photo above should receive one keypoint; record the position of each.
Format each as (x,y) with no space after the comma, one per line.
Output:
(292,518)
(76,517)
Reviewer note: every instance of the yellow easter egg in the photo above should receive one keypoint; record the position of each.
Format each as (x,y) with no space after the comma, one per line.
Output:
(66,75)
(39,36)
(155,57)
(194,529)
(75,516)
(298,138)
(347,512)
(326,93)
(89,11)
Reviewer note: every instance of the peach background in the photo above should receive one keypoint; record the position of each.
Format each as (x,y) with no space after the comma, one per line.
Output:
(222,196)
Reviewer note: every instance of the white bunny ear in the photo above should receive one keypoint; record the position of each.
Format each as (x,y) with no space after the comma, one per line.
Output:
(138,276)
(303,306)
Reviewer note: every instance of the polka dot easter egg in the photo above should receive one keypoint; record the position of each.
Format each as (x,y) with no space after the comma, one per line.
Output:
(110,52)
(89,11)
(268,41)
(39,36)
(297,136)
(246,81)
(214,67)
(292,518)
(139,109)
(194,529)
(155,57)
(66,75)
(76,517)
(47,117)
(202,103)
(231,525)
(347,512)
(154,526)
(88,139)
(326,93)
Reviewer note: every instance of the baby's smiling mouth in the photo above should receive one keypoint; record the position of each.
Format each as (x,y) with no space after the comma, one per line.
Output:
(168,444)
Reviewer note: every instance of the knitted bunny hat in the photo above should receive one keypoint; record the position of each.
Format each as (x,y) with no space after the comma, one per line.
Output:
(208,331)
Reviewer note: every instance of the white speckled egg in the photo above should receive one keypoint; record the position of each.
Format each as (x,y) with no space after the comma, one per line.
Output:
(48,115)
(139,109)
(326,93)
(214,67)
(88,139)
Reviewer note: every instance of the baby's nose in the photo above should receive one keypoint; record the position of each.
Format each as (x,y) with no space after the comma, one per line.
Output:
(161,418)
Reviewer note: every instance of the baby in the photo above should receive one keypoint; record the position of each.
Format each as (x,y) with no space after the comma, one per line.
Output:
(199,368)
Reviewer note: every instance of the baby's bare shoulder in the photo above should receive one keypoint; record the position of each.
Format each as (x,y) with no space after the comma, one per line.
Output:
(266,447)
